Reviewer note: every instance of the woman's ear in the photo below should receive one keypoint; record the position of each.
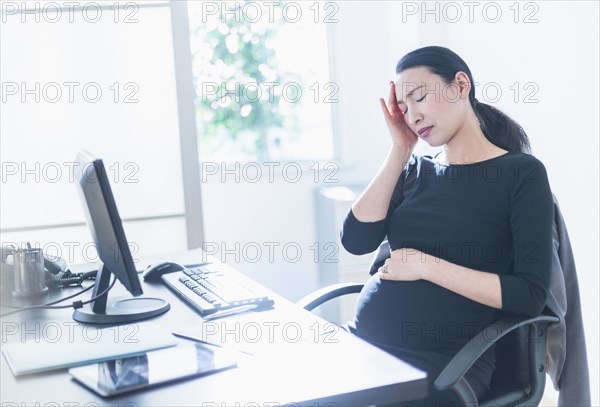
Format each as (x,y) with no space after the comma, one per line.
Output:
(462,79)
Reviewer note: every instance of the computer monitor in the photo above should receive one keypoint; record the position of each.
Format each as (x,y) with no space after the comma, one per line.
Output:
(115,257)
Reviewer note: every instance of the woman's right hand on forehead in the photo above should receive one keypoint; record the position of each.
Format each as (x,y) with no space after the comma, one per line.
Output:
(400,133)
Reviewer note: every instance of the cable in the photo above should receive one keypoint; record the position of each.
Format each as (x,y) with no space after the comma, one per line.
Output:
(54,302)
(71,279)
(76,304)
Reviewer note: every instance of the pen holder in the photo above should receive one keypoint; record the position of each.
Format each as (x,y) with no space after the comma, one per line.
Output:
(29,277)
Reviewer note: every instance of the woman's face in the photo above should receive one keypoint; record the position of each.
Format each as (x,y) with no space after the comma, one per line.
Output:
(433,103)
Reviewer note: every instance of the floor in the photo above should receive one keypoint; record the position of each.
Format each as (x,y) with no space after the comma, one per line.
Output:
(547,402)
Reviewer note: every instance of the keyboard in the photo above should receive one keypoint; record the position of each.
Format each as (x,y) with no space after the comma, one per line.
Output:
(211,291)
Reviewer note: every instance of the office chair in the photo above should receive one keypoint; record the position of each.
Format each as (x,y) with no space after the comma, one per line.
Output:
(520,375)
(522,342)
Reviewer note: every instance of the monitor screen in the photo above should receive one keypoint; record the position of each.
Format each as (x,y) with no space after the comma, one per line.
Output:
(104,221)
(107,232)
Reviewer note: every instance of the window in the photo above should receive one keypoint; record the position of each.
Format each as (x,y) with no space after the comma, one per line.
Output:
(262,80)
(98,76)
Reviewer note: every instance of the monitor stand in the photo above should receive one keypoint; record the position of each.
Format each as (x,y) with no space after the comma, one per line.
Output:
(119,309)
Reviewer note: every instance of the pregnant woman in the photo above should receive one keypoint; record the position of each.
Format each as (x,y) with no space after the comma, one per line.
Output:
(470,230)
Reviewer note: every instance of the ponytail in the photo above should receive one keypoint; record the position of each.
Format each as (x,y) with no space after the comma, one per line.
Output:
(500,129)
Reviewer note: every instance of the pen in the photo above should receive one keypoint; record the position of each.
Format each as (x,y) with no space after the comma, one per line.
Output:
(230,311)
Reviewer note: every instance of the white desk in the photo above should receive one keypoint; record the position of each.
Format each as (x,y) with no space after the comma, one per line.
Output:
(295,362)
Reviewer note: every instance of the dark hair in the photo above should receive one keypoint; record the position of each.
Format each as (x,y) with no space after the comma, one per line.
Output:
(497,127)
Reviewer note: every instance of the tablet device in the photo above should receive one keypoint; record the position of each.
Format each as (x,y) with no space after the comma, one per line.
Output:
(152,368)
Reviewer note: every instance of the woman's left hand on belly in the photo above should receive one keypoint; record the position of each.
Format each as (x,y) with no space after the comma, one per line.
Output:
(406,264)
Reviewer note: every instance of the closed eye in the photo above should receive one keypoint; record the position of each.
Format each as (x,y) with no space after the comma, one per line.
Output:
(420,100)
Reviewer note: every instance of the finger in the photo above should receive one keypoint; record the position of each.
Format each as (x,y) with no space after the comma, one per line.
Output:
(386,112)
(394,109)
(392,101)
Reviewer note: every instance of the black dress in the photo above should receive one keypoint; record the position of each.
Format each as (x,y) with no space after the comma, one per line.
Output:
(494,216)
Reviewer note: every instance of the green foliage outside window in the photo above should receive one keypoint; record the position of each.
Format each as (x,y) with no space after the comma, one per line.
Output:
(242,96)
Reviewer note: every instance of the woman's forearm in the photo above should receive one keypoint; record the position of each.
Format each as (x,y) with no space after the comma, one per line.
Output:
(476,285)
(408,264)
(373,203)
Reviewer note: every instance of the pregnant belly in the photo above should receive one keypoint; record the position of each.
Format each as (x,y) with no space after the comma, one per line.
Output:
(417,314)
